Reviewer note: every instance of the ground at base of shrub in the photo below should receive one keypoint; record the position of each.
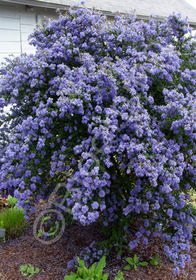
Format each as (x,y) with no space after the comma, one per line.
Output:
(52,259)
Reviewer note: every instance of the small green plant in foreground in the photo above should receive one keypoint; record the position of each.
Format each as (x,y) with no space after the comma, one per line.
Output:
(119,276)
(134,263)
(12,201)
(155,262)
(13,221)
(28,270)
(95,272)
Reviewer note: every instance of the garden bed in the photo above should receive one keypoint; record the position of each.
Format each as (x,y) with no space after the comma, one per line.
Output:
(52,259)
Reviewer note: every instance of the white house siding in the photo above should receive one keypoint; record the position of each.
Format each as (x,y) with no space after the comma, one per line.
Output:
(17,22)
(9,32)
(27,23)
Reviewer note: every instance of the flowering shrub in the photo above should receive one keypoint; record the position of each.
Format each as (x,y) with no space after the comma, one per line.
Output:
(113,103)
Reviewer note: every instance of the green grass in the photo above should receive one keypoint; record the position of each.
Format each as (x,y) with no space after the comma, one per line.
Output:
(13,221)
(193,201)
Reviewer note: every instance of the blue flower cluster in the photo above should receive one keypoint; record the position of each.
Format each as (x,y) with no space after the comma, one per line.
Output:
(112,104)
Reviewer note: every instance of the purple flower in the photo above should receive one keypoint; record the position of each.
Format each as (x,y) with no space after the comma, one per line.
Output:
(156,205)
(145,241)
(84,209)
(146,223)
(101,193)
(95,205)
(71,264)
(133,244)
(170,212)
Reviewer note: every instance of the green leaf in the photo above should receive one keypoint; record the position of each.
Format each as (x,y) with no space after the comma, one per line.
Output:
(81,263)
(136,259)
(22,267)
(45,219)
(135,266)
(40,233)
(37,270)
(127,267)
(70,277)
(155,261)
(119,276)
(93,273)
(130,261)
(101,265)
(105,276)
(143,264)
(92,269)
(30,269)
(82,272)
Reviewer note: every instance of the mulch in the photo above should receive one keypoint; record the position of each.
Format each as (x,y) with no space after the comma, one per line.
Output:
(52,259)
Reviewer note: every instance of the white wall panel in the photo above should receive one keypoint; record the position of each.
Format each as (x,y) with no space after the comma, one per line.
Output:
(9,32)
(10,12)
(28,23)
(28,28)
(10,47)
(28,18)
(9,23)
(17,22)
(9,35)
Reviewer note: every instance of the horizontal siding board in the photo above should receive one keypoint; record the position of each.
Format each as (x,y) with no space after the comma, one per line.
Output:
(9,12)
(10,47)
(9,35)
(28,18)
(9,23)
(27,28)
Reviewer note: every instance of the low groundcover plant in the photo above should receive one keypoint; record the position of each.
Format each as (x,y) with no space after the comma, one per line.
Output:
(134,263)
(95,272)
(155,261)
(112,104)
(28,270)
